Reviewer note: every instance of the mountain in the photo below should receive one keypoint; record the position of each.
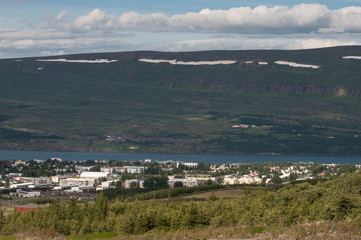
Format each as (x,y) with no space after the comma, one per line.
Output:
(258,102)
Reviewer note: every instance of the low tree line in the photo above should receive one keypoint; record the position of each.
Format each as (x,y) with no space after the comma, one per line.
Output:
(331,200)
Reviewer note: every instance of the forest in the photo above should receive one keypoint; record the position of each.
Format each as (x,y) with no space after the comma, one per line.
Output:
(331,200)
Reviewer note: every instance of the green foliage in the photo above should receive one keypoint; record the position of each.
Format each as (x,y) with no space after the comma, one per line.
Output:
(291,204)
(38,200)
(102,235)
(178,184)
(257,229)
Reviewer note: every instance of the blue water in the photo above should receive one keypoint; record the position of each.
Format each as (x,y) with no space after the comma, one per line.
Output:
(206,158)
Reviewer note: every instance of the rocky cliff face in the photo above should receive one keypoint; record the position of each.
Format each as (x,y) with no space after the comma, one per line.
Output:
(289,89)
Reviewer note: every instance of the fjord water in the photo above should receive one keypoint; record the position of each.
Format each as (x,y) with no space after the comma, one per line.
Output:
(206,158)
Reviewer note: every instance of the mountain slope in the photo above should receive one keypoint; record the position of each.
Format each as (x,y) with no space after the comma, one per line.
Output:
(128,105)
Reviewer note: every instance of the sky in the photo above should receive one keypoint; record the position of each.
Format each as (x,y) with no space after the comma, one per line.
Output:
(30,28)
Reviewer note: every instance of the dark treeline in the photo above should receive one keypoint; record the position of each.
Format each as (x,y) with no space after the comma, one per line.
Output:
(146,193)
(331,200)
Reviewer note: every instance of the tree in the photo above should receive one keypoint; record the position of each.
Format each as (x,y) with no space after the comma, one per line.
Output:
(276,180)
(293,177)
(7,182)
(178,184)
(94,169)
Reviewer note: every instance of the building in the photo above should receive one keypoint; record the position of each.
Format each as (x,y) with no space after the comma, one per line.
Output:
(20,185)
(57,178)
(129,169)
(188,164)
(75,181)
(106,169)
(81,169)
(13,175)
(120,169)
(94,175)
(41,180)
(108,184)
(17,163)
(25,193)
(186,182)
(245,179)
(135,183)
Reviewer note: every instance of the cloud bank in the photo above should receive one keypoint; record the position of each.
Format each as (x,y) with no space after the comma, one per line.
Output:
(303,18)
(299,27)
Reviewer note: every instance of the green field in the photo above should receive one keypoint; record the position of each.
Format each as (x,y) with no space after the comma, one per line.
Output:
(147,107)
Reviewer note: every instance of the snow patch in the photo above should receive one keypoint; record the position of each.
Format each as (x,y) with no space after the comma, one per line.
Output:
(293,64)
(77,61)
(352,57)
(175,62)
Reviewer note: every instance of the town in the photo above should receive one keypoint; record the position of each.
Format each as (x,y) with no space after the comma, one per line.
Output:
(57,178)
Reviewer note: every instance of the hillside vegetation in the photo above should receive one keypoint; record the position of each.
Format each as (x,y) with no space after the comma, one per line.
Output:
(133,106)
(257,209)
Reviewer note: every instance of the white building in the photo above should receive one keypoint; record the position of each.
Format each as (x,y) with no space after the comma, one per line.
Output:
(129,169)
(41,180)
(187,182)
(57,178)
(107,184)
(20,185)
(245,179)
(25,194)
(188,164)
(81,169)
(75,181)
(94,175)
(135,182)
(106,169)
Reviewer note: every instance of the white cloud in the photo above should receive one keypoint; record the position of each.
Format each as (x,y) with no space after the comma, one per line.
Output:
(61,15)
(302,18)
(49,53)
(11,34)
(95,20)
(303,26)
(252,43)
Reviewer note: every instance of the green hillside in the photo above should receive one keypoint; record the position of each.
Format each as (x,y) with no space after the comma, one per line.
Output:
(149,107)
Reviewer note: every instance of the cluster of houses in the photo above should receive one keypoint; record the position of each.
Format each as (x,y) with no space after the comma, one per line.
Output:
(84,178)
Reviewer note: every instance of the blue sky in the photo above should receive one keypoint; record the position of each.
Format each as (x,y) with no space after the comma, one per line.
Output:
(56,27)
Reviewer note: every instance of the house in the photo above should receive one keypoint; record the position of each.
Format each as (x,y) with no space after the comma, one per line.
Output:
(18,163)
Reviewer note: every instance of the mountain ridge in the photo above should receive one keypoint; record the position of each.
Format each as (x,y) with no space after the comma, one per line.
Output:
(132,106)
